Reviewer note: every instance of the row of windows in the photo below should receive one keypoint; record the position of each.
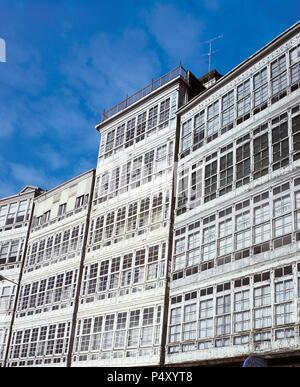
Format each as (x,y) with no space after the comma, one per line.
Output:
(129,329)
(134,173)
(11,252)
(44,341)
(57,246)
(244,305)
(135,129)
(265,87)
(125,273)
(62,211)
(270,215)
(16,212)
(47,294)
(106,357)
(131,220)
(281,337)
(269,147)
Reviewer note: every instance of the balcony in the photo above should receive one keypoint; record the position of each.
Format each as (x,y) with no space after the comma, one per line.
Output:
(154,85)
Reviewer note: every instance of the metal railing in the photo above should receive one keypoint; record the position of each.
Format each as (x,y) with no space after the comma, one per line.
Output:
(154,85)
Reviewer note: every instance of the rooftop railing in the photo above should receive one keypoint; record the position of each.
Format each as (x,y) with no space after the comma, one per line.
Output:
(154,85)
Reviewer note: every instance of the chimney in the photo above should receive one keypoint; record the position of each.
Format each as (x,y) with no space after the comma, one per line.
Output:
(210,78)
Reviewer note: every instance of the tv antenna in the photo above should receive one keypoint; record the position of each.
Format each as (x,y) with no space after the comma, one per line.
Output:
(211,51)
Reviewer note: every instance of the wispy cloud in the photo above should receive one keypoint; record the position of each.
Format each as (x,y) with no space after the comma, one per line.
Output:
(177,32)
(27,174)
(53,156)
(107,67)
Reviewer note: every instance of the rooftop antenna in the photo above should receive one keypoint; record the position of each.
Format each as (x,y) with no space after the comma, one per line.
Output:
(211,52)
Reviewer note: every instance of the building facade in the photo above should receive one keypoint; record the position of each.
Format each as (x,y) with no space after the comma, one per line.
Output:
(235,281)
(182,247)
(15,216)
(128,250)
(42,328)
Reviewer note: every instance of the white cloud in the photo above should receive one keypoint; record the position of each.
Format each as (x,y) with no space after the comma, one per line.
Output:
(54,157)
(178,33)
(26,174)
(107,68)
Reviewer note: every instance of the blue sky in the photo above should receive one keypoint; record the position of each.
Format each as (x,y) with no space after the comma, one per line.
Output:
(68,60)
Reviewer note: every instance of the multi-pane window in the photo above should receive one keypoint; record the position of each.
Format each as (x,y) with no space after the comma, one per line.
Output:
(122,330)
(110,138)
(141,126)
(262,311)
(262,233)
(262,213)
(62,209)
(127,271)
(12,209)
(295,68)
(54,290)
(279,77)
(251,96)
(243,164)
(21,211)
(282,205)
(3,213)
(54,246)
(225,235)
(199,130)
(206,318)
(114,182)
(120,133)
(164,113)
(137,171)
(226,173)
(280,142)
(213,120)
(161,161)
(179,259)
(296,136)
(211,180)
(11,252)
(194,253)
(152,119)
(242,311)
(228,110)
(243,101)
(186,140)
(182,194)
(41,342)
(260,85)
(81,201)
(130,132)
(209,243)
(261,155)
(148,166)
(237,309)
(134,130)
(195,188)
(144,212)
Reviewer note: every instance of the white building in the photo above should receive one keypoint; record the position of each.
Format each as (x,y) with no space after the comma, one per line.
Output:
(15,216)
(121,311)
(183,246)
(51,275)
(235,284)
